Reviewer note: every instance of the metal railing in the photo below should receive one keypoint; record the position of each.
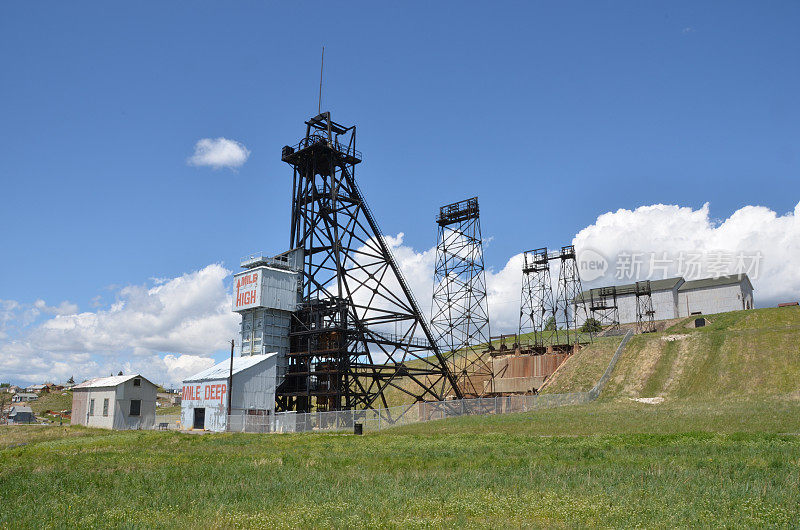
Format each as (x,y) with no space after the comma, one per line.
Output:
(314,139)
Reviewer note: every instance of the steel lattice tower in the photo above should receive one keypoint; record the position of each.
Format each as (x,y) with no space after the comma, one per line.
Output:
(460,312)
(358,324)
(537,305)
(603,306)
(569,292)
(645,314)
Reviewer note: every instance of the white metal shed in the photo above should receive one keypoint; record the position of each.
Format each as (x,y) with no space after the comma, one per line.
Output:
(204,399)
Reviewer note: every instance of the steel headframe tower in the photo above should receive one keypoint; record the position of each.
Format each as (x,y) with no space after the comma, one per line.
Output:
(645,314)
(603,306)
(358,324)
(567,299)
(460,311)
(537,305)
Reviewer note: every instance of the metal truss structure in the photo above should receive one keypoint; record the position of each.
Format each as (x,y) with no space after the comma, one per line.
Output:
(603,306)
(645,315)
(569,291)
(460,311)
(358,331)
(537,304)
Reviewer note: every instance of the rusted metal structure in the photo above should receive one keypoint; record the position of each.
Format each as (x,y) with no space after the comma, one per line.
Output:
(523,373)
(603,306)
(460,311)
(645,315)
(358,330)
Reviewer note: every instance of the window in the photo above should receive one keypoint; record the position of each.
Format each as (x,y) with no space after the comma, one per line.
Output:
(91,407)
(105,407)
(136,406)
(137,382)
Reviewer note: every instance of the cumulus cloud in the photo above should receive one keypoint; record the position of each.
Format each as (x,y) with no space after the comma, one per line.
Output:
(653,242)
(187,317)
(502,286)
(218,153)
(172,327)
(64,308)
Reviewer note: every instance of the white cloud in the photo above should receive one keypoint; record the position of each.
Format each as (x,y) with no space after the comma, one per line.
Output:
(171,328)
(64,308)
(503,286)
(731,245)
(187,317)
(218,153)
(182,366)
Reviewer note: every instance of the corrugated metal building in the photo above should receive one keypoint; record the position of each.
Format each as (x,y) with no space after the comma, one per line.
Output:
(675,297)
(265,295)
(117,402)
(715,295)
(204,399)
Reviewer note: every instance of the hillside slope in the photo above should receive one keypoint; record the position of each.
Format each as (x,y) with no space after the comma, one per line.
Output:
(740,354)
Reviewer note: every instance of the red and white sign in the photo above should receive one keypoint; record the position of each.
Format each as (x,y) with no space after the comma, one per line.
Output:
(247,290)
(204,392)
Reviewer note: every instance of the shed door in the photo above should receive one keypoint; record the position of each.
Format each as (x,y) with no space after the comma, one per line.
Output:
(199,419)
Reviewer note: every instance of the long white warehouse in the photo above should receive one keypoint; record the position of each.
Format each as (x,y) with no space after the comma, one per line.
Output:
(676,298)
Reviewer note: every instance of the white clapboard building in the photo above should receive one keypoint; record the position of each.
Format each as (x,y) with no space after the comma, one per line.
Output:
(204,397)
(117,402)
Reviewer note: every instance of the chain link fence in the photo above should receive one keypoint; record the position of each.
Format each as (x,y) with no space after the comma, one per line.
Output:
(374,420)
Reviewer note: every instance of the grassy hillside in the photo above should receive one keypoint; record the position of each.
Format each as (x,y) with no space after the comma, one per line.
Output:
(740,354)
(56,401)
(582,370)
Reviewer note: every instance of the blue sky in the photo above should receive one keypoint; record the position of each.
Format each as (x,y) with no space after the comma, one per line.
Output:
(552,113)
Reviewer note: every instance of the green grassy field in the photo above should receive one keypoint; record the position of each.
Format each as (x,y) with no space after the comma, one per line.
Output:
(722,450)
(701,467)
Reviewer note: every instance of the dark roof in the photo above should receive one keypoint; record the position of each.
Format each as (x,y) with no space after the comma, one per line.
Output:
(703,283)
(630,288)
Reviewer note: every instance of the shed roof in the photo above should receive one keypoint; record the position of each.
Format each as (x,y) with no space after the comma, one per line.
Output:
(25,395)
(703,283)
(15,409)
(222,370)
(105,382)
(630,288)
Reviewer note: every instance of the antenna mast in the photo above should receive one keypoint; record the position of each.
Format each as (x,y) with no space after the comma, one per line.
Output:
(321,64)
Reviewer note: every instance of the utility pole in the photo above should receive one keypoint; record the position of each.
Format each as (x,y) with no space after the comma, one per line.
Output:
(230,380)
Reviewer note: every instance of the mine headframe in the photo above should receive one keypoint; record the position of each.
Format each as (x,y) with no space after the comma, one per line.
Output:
(460,311)
(537,316)
(358,330)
